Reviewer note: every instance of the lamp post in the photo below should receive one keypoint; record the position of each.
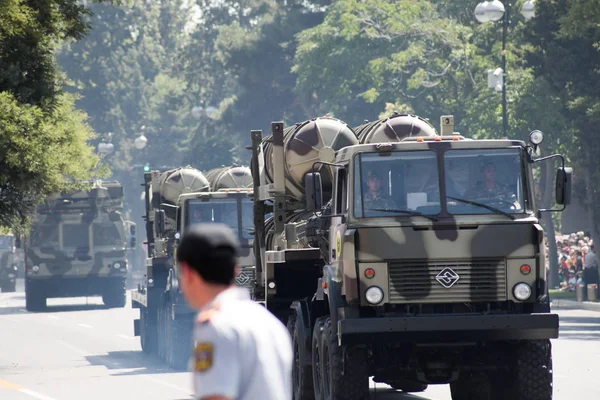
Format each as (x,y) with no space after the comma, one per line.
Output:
(495,11)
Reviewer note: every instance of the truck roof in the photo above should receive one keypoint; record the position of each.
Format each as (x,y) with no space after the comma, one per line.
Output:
(425,143)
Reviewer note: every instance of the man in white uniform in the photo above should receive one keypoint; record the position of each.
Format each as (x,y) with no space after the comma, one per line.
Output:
(241,350)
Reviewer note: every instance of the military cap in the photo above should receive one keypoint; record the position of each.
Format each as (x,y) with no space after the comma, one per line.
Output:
(211,249)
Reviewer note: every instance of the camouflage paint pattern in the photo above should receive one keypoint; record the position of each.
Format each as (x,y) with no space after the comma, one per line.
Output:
(56,260)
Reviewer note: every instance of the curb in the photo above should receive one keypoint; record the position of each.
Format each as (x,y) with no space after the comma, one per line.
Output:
(575,305)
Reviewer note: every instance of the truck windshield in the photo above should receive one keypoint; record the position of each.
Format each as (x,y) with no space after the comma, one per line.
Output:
(76,235)
(45,236)
(106,235)
(224,211)
(484,181)
(400,184)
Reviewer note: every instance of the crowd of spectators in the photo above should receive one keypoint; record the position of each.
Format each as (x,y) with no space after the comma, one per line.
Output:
(577,261)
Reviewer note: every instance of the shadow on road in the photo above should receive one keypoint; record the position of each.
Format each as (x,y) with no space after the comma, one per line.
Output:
(52,309)
(137,360)
(391,394)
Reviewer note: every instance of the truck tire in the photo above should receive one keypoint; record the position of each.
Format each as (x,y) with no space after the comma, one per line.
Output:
(349,384)
(476,385)
(161,331)
(316,358)
(148,329)
(35,300)
(116,296)
(533,372)
(179,344)
(301,369)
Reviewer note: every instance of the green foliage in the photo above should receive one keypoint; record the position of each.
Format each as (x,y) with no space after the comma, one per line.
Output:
(43,138)
(39,150)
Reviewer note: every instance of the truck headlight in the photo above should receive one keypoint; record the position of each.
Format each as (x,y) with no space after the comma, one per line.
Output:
(35,268)
(522,291)
(117,265)
(374,295)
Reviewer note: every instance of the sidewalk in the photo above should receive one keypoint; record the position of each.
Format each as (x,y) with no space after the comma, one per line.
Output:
(564,304)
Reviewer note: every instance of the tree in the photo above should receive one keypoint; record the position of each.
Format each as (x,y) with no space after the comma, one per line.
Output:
(42,136)
(565,35)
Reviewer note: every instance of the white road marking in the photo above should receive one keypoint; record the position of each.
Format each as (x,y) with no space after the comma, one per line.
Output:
(2,305)
(126,337)
(52,316)
(35,394)
(85,326)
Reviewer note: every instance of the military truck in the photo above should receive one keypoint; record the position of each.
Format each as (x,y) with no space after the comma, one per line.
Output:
(408,256)
(8,263)
(77,247)
(176,199)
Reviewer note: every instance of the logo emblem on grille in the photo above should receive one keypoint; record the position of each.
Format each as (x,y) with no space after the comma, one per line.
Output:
(447,277)
(242,278)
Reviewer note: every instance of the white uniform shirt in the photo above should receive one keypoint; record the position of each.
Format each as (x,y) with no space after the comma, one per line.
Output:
(241,351)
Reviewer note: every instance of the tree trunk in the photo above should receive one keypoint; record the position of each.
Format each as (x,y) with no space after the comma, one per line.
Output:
(548,186)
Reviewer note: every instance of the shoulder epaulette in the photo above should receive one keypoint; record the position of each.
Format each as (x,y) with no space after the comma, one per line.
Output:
(207,315)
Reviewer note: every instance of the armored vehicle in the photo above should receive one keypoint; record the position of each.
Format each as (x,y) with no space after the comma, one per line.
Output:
(176,199)
(77,247)
(8,263)
(405,255)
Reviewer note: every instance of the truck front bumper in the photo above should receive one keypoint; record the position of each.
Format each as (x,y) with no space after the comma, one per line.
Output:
(449,328)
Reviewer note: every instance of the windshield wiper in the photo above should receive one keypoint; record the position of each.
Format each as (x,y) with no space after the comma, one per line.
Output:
(475,203)
(408,212)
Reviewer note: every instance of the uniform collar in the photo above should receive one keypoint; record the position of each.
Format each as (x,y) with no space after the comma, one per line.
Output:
(229,294)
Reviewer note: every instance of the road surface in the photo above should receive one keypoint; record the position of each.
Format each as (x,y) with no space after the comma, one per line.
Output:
(80,350)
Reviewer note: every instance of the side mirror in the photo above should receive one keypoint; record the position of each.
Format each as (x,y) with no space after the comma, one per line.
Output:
(159,221)
(564,183)
(313,189)
(132,242)
(18,243)
(132,229)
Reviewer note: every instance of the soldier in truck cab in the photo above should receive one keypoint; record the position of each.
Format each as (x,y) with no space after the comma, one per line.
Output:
(489,190)
(375,197)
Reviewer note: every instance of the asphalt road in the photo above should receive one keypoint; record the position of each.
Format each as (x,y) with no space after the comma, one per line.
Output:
(80,350)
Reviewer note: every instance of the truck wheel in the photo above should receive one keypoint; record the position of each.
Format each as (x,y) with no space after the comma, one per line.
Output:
(34,298)
(116,296)
(180,345)
(160,324)
(353,382)
(316,358)
(533,373)
(148,337)
(470,386)
(301,369)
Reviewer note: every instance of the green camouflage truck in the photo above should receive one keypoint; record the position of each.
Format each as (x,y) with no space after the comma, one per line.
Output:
(8,263)
(77,247)
(410,257)
(176,199)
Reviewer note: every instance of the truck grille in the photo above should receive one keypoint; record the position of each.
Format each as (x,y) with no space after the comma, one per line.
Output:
(447,281)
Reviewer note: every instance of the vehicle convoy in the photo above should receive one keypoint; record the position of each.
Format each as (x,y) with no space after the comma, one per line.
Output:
(77,247)
(405,255)
(176,199)
(8,263)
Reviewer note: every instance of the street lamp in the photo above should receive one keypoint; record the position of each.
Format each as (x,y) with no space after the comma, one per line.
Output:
(494,11)
(105,148)
(140,142)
